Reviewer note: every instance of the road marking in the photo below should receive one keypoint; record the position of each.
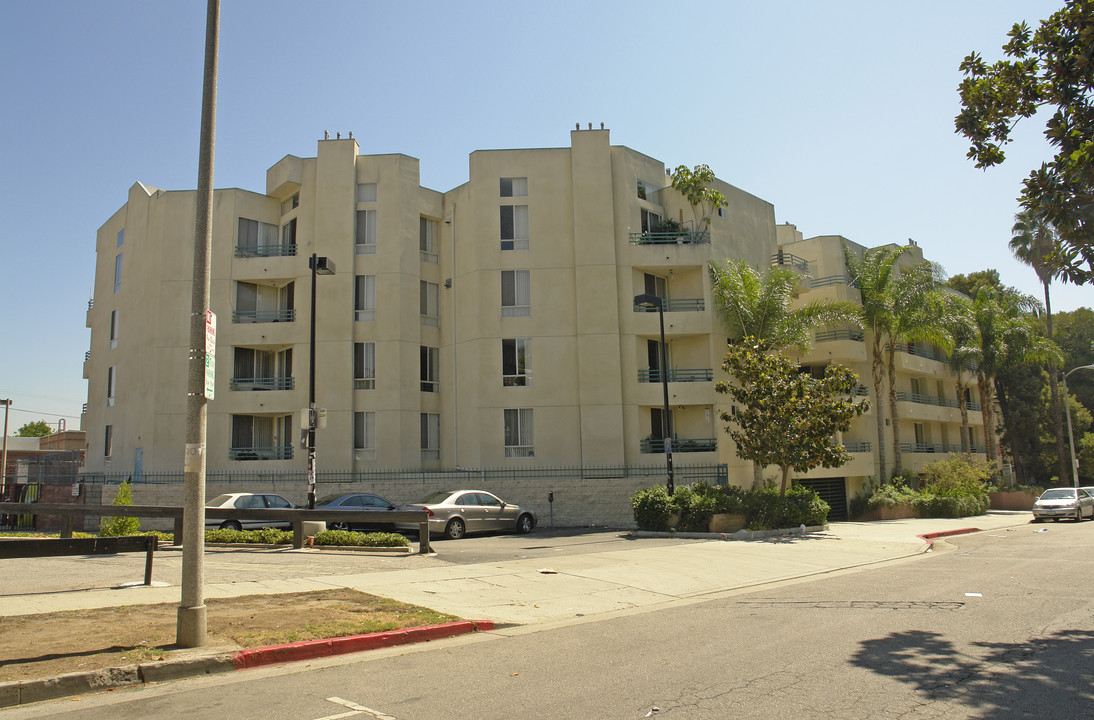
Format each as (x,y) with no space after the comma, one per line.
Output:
(355,709)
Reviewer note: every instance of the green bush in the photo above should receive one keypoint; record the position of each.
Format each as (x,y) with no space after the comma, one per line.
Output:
(891,496)
(943,506)
(118,526)
(766,510)
(696,503)
(957,476)
(374,539)
(264,536)
(652,507)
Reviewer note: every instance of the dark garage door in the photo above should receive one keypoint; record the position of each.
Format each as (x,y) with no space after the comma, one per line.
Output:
(833,491)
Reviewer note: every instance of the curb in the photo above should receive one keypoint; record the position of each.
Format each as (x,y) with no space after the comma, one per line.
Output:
(739,535)
(930,537)
(22,692)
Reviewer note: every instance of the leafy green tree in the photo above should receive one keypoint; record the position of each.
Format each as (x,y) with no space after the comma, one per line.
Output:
(970,284)
(1050,68)
(695,186)
(116,526)
(1074,333)
(36,428)
(957,322)
(1034,242)
(1081,427)
(787,418)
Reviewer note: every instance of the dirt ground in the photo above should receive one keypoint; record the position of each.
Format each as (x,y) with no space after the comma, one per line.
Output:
(46,645)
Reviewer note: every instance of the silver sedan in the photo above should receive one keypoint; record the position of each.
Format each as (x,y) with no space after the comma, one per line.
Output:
(454,513)
(1057,503)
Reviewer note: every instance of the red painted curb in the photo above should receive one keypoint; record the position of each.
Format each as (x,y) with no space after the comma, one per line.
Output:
(930,537)
(311,649)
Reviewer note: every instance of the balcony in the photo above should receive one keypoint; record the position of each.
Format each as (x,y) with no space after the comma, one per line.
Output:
(286,250)
(677,305)
(936,448)
(831,280)
(274,383)
(858,447)
(680,445)
(791,261)
(263,316)
(837,335)
(692,375)
(678,237)
(926,399)
(261,453)
(922,351)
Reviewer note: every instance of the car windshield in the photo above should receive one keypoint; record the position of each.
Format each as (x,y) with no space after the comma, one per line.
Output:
(218,501)
(434,497)
(1058,495)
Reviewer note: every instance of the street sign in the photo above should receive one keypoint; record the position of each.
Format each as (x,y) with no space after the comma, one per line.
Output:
(210,374)
(210,352)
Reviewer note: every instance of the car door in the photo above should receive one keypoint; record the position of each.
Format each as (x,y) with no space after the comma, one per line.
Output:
(373,503)
(473,513)
(276,502)
(251,502)
(492,513)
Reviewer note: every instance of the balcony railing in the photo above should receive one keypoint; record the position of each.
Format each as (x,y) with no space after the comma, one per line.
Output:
(936,448)
(926,399)
(364,383)
(861,391)
(692,375)
(858,447)
(922,351)
(835,335)
(680,445)
(679,237)
(277,452)
(677,305)
(830,280)
(789,260)
(263,316)
(273,383)
(266,250)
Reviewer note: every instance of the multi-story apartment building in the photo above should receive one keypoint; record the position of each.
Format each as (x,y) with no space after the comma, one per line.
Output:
(489,326)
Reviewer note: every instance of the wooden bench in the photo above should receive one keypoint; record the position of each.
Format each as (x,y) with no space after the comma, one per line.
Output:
(57,547)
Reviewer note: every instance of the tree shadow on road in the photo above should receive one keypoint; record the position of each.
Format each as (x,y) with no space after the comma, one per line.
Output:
(1046,677)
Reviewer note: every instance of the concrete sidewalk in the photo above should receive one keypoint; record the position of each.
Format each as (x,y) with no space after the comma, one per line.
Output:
(529,591)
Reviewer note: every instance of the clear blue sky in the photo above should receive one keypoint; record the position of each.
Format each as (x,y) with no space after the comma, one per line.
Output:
(839,113)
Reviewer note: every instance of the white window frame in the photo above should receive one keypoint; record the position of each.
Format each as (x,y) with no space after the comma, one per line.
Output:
(365,237)
(364,430)
(519,432)
(521,362)
(364,298)
(429,231)
(111,384)
(513,187)
(364,370)
(515,236)
(118,272)
(108,441)
(429,362)
(519,304)
(429,303)
(431,436)
(113,329)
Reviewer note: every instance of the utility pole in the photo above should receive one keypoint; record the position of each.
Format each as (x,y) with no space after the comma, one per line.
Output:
(192,620)
(4,463)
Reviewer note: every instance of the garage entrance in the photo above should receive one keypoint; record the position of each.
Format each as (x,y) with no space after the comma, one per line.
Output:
(833,491)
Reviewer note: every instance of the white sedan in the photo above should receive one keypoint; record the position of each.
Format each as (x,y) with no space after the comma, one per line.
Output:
(247,501)
(1057,503)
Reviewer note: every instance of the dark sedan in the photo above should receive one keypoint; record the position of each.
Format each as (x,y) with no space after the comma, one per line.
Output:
(357,501)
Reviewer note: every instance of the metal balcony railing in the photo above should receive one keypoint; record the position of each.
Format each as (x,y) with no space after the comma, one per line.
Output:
(680,445)
(272,383)
(858,447)
(277,452)
(263,316)
(677,305)
(789,260)
(918,350)
(926,399)
(287,250)
(680,237)
(834,335)
(690,375)
(936,448)
(830,280)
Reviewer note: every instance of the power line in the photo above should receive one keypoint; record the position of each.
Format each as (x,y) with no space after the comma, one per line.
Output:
(48,413)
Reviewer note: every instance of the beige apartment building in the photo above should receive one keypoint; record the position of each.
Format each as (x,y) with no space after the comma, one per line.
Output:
(489,326)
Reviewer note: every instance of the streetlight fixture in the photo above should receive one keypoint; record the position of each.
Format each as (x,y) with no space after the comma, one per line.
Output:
(649,301)
(319,266)
(1070,434)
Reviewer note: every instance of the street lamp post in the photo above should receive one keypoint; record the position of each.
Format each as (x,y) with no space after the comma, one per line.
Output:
(319,266)
(648,300)
(1070,434)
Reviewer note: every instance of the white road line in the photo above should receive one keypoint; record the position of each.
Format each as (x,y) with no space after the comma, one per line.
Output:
(357,709)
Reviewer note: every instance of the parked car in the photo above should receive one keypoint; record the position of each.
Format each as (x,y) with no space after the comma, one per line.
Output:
(1056,503)
(357,501)
(458,512)
(247,501)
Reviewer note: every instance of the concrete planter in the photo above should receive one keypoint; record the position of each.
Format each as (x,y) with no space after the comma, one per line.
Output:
(897,512)
(1011,500)
(726,522)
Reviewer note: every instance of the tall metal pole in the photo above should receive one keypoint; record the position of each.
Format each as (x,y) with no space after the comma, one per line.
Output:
(4,462)
(1070,438)
(311,391)
(192,620)
(665,390)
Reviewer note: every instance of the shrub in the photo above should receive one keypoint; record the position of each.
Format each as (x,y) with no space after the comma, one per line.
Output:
(696,503)
(892,496)
(358,539)
(117,526)
(766,510)
(957,476)
(943,506)
(652,507)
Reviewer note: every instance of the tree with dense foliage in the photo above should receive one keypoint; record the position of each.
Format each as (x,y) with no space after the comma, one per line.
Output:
(971,283)
(786,417)
(1074,334)
(1034,242)
(955,319)
(695,186)
(1048,69)
(36,428)
(117,526)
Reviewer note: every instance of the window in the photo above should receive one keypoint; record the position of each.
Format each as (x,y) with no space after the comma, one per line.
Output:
(516,294)
(290,204)
(364,366)
(256,238)
(428,232)
(261,437)
(650,220)
(519,437)
(431,436)
(118,273)
(656,285)
(364,298)
(430,361)
(364,431)
(121,237)
(653,357)
(658,428)
(516,362)
(261,369)
(514,187)
(113,329)
(108,441)
(264,303)
(514,227)
(288,235)
(428,304)
(111,383)
(366,232)
(366,192)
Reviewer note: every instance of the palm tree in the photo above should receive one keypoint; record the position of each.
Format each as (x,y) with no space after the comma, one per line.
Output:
(956,320)
(874,273)
(1033,241)
(761,306)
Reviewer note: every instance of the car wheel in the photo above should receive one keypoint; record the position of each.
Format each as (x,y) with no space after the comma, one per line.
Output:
(525,523)
(339,526)
(455,529)
(231,525)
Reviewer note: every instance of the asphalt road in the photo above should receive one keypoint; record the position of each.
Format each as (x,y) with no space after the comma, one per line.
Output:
(1000,626)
